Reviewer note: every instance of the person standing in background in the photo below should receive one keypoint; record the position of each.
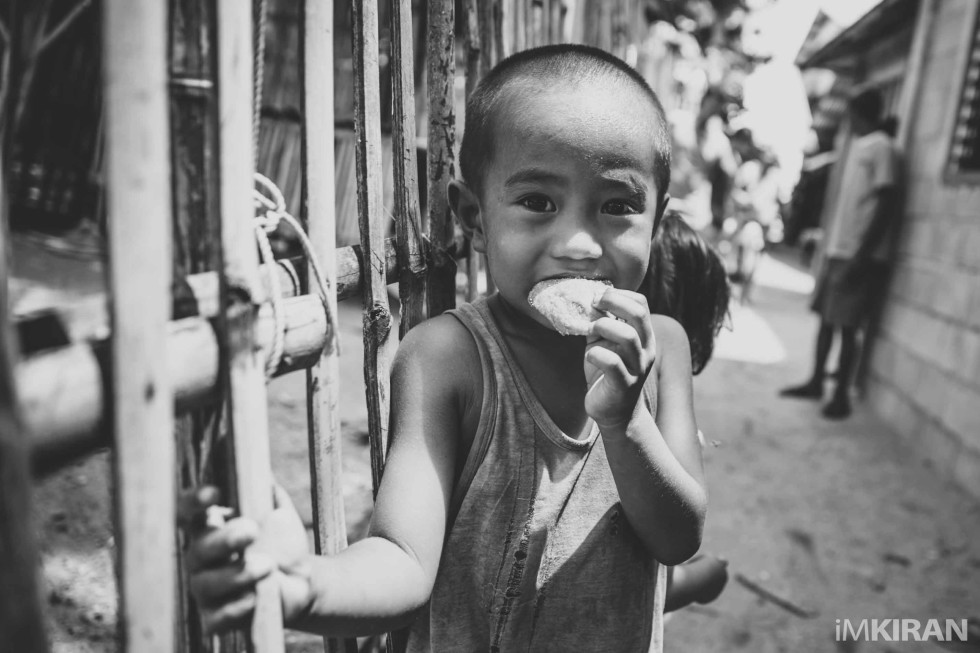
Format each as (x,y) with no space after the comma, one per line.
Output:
(857,251)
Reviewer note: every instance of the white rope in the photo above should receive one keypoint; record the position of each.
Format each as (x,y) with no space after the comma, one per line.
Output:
(270,207)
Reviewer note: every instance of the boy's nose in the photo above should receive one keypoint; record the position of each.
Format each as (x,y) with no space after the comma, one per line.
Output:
(578,243)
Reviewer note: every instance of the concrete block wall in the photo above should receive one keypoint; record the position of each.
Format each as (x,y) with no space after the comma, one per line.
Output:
(925,370)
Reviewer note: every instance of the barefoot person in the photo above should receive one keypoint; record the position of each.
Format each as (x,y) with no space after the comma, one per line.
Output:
(857,251)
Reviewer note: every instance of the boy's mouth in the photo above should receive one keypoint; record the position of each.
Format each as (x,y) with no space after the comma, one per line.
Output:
(579,275)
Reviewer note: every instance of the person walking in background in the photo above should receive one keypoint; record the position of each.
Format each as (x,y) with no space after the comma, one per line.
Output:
(857,251)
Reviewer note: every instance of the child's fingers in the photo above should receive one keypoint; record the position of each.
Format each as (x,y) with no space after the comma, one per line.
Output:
(211,586)
(233,614)
(611,365)
(631,308)
(192,506)
(216,547)
(623,340)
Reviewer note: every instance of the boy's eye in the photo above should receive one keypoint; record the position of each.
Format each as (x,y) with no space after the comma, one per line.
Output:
(537,203)
(620,207)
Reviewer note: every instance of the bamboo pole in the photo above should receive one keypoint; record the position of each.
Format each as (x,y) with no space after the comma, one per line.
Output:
(319,212)
(478,61)
(555,22)
(544,35)
(408,223)
(21,618)
(138,203)
(86,320)
(441,159)
(242,294)
(486,10)
(196,246)
(370,202)
(62,389)
(507,28)
(519,8)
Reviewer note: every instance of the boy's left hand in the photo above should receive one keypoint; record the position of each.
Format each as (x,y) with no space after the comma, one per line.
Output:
(618,358)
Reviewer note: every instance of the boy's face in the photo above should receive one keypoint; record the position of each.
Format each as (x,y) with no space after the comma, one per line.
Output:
(570,189)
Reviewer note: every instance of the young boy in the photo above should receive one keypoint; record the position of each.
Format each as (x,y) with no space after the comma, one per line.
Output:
(536,483)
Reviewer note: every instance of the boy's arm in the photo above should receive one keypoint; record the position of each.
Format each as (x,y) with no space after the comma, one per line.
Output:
(656,464)
(377,584)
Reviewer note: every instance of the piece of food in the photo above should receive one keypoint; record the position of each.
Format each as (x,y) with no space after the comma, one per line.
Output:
(568,303)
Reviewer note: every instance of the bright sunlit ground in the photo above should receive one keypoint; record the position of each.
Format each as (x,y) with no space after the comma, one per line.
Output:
(751,338)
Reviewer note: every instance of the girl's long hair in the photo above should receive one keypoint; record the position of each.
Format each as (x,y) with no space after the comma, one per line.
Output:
(687,281)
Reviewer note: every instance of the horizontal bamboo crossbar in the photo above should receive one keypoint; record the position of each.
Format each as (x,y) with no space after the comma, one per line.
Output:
(205,284)
(64,390)
(87,319)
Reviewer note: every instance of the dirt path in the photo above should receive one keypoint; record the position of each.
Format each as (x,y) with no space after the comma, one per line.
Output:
(837,517)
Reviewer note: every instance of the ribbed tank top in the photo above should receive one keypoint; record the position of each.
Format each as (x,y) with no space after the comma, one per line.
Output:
(539,555)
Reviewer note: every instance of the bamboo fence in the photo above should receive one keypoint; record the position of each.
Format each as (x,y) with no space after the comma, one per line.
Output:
(178,389)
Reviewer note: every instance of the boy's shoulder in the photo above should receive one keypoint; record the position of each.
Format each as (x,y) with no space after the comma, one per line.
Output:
(442,346)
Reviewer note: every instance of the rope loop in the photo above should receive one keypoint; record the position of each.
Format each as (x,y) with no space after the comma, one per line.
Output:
(270,211)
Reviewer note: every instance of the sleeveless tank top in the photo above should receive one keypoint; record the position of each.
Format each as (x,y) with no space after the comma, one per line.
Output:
(539,555)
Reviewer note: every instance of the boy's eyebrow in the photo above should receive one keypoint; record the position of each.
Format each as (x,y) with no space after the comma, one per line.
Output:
(534,175)
(626,178)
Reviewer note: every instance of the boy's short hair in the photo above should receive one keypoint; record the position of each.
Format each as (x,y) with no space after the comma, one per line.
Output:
(554,63)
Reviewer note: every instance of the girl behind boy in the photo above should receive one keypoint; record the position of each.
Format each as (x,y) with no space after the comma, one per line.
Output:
(536,484)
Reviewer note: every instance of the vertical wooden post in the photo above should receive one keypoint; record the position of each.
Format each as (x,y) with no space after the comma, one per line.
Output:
(138,204)
(370,207)
(242,293)
(546,14)
(408,228)
(519,8)
(477,62)
(441,160)
(507,26)
(323,380)
(21,619)
(555,22)
(196,237)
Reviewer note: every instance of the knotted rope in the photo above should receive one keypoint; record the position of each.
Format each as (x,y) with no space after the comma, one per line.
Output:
(270,207)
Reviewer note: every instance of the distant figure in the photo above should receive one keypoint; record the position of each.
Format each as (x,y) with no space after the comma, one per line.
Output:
(857,250)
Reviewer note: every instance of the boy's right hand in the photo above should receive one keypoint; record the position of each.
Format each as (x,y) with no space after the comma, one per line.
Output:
(224,563)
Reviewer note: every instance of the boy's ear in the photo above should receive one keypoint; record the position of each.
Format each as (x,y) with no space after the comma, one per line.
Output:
(660,212)
(466,207)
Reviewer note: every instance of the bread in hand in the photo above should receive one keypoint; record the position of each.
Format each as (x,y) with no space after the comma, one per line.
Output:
(568,303)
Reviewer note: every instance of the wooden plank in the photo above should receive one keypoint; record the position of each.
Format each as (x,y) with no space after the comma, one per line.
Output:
(441,157)
(21,618)
(408,223)
(319,212)
(138,207)
(242,293)
(370,202)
